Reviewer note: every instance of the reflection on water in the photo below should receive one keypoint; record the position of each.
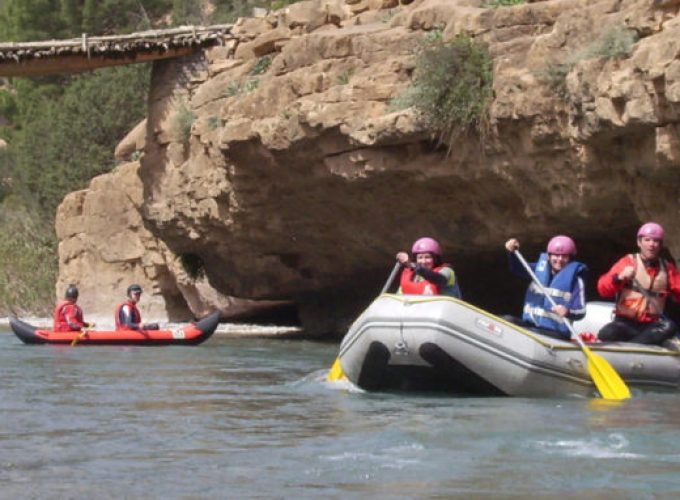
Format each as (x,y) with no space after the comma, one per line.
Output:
(256,418)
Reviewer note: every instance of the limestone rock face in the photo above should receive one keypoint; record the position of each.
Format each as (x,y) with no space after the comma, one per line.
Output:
(295,181)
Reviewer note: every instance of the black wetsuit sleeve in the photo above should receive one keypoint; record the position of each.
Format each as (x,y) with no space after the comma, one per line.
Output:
(432,276)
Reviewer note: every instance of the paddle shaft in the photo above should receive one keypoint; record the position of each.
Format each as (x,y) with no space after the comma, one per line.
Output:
(389,281)
(550,299)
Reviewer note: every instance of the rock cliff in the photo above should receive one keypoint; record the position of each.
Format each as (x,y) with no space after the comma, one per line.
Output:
(272,170)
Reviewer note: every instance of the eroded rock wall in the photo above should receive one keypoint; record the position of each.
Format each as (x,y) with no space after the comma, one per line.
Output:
(296,182)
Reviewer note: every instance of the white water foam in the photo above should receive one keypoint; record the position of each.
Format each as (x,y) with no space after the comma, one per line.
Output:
(614,447)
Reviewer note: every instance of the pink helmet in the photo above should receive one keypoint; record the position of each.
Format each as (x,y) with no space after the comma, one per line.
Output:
(426,245)
(562,245)
(651,230)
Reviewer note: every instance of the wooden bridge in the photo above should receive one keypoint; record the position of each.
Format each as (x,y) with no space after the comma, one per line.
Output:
(85,53)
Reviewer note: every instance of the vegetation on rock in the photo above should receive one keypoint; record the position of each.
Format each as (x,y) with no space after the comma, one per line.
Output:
(502,3)
(452,86)
(614,43)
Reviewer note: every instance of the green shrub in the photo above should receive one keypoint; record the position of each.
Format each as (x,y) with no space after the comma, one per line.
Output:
(433,36)
(214,122)
(345,77)
(614,43)
(262,65)
(493,4)
(452,87)
(280,4)
(65,136)
(182,121)
(233,88)
(251,85)
(28,250)
(555,75)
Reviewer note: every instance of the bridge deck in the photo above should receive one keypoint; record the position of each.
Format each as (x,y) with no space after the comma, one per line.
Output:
(85,53)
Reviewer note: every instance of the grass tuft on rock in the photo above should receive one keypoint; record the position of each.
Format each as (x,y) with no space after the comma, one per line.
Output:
(451,88)
(182,121)
(615,43)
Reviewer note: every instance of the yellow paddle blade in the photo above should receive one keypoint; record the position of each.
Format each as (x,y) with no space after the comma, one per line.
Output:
(608,382)
(336,372)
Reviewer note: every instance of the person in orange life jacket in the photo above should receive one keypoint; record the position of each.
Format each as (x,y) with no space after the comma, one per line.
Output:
(428,275)
(128,316)
(562,277)
(641,283)
(68,316)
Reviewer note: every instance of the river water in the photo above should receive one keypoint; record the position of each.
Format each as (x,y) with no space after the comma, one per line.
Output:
(254,418)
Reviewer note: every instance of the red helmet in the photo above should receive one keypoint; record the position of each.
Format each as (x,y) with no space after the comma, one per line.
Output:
(426,245)
(651,230)
(562,245)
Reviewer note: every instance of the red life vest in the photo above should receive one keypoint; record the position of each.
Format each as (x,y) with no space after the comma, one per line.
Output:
(134,314)
(59,319)
(420,287)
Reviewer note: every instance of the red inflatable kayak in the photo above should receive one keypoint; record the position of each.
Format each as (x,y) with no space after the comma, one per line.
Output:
(191,334)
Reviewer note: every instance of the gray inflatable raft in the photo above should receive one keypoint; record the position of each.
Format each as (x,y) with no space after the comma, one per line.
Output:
(436,343)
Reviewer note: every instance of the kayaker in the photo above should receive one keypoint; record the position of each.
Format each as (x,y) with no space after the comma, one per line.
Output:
(641,283)
(562,277)
(128,316)
(427,275)
(68,316)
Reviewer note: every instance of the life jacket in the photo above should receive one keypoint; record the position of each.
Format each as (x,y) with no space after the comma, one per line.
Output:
(537,307)
(424,287)
(60,324)
(135,315)
(632,303)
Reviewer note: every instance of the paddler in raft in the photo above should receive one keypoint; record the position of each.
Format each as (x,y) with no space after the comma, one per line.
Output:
(128,316)
(641,283)
(562,277)
(427,275)
(67,315)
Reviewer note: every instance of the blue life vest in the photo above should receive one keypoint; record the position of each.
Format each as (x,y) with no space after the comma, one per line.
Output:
(537,308)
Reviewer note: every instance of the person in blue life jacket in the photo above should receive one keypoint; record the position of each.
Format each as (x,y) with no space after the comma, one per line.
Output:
(562,277)
(428,275)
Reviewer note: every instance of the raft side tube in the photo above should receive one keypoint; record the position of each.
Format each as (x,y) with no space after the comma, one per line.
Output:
(25,332)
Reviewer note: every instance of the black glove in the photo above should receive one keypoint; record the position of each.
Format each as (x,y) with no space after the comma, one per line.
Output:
(150,326)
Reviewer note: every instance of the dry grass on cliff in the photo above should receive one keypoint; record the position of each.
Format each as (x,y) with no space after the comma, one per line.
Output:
(182,121)
(615,43)
(452,86)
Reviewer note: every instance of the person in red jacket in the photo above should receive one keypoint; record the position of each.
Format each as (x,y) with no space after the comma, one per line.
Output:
(427,275)
(67,315)
(641,283)
(128,316)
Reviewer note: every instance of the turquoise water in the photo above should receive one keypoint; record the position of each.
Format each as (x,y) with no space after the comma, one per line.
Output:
(255,418)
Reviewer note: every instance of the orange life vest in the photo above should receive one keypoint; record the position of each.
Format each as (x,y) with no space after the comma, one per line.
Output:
(420,287)
(648,305)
